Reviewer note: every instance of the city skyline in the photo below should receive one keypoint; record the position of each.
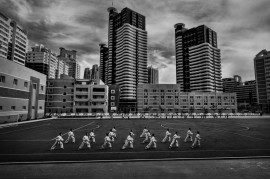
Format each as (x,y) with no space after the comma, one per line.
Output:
(241,34)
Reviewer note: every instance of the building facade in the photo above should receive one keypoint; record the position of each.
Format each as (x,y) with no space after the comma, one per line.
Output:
(198,63)
(167,98)
(104,55)
(113,98)
(153,77)
(60,95)
(230,84)
(68,57)
(91,73)
(90,97)
(13,40)
(42,60)
(22,92)
(262,77)
(127,43)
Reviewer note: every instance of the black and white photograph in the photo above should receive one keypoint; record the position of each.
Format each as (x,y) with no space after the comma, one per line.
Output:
(135,89)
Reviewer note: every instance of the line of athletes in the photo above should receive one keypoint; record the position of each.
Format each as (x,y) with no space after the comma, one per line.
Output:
(109,139)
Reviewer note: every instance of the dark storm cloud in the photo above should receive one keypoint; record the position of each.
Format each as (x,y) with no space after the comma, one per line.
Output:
(242,27)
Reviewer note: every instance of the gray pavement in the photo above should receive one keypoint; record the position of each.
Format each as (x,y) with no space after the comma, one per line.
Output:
(195,169)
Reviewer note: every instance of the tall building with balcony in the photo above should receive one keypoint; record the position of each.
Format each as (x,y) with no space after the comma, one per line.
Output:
(68,57)
(127,43)
(90,96)
(104,55)
(13,40)
(262,77)
(22,92)
(42,60)
(91,73)
(198,64)
(153,75)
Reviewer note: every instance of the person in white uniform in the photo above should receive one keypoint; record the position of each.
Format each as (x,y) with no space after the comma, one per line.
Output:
(153,142)
(58,141)
(147,137)
(86,141)
(175,141)
(112,135)
(70,136)
(131,133)
(107,142)
(128,142)
(167,136)
(189,135)
(197,140)
(114,131)
(92,136)
(144,132)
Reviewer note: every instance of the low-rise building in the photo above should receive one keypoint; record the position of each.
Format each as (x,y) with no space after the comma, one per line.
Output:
(22,92)
(167,98)
(90,96)
(113,98)
(60,94)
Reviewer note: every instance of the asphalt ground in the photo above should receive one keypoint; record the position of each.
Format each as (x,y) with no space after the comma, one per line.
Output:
(194,169)
(239,137)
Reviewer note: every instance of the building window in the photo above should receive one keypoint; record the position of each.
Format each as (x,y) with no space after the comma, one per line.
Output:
(50,104)
(25,84)
(33,107)
(34,86)
(112,104)
(112,91)
(64,93)
(13,107)
(65,86)
(15,82)
(64,107)
(112,97)
(40,107)
(72,90)
(51,90)
(51,84)
(41,88)
(145,90)
(64,100)
(50,97)
(24,107)
(2,79)
(1,108)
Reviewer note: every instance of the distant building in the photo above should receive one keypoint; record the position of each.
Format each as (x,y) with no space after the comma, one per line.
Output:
(167,98)
(262,77)
(60,95)
(69,57)
(90,96)
(198,62)
(91,73)
(153,77)
(22,92)
(245,91)
(113,98)
(42,60)
(13,41)
(103,65)
(62,68)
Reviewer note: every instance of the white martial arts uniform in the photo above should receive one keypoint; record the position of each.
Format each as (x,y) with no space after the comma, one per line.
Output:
(58,140)
(112,135)
(189,135)
(152,141)
(128,141)
(114,131)
(147,137)
(143,133)
(107,141)
(175,141)
(197,140)
(92,137)
(167,136)
(132,134)
(85,141)
(70,136)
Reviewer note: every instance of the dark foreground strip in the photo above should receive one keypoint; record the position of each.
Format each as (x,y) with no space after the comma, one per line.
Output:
(135,160)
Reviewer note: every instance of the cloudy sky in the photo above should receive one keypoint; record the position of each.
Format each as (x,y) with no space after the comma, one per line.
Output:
(242,26)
